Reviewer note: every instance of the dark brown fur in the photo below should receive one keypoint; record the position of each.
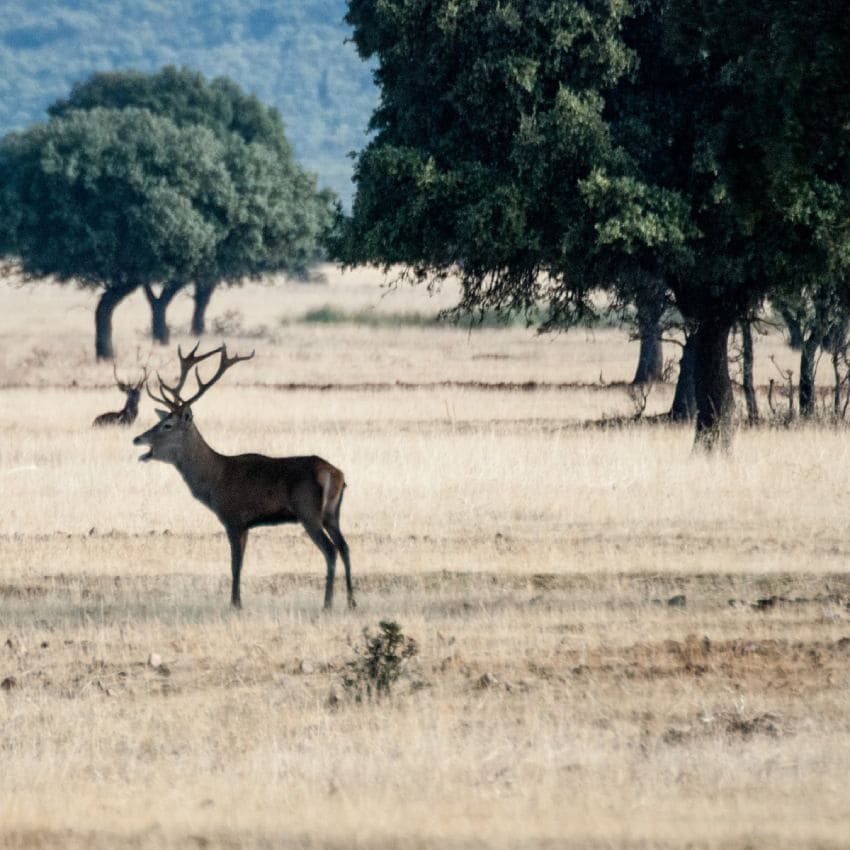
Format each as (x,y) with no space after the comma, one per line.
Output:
(250,490)
(127,414)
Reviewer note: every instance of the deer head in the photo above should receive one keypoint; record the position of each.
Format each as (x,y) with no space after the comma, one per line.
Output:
(169,437)
(132,391)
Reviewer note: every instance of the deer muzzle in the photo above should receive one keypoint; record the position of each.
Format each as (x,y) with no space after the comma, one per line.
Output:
(144,440)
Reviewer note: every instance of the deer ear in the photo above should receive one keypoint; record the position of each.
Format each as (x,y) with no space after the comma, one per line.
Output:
(186,416)
(162,414)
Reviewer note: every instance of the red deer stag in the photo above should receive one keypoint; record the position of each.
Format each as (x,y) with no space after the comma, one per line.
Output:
(245,491)
(127,415)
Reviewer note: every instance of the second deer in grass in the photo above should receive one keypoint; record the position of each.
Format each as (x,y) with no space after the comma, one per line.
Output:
(249,490)
(127,414)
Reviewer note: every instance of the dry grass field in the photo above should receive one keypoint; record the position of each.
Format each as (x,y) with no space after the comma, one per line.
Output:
(562,695)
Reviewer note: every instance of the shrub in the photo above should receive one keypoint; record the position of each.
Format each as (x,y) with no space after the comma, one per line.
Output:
(378,666)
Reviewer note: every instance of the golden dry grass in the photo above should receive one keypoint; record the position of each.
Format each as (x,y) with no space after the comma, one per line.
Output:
(557,700)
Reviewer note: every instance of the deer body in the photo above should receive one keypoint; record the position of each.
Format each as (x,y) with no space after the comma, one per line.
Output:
(127,415)
(250,490)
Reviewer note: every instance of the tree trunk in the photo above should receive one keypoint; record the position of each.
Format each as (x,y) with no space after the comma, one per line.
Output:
(795,330)
(838,383)
(159,304)
(684,407)
(650,358)
(749,386)
(109,300)
(835,343)
(712,386)
(159,326)
(203,294)
(650,303)
(808,362)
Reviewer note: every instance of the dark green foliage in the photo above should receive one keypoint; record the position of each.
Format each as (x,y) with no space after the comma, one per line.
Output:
(114,199)
(185,96)
(280,218)
(291,55)
(780,142)
(490,115)
(380,663)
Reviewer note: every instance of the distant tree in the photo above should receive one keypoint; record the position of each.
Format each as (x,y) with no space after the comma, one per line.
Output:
(643,297)
(281,218)
(684,406)
(650,365)
(819,315)
(114,200)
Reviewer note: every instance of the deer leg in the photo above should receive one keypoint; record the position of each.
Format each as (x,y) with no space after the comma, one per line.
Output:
(329,551)
(238,539)
(332,526)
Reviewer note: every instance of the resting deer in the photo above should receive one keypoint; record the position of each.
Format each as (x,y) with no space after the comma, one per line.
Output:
(245,491)
(127,415)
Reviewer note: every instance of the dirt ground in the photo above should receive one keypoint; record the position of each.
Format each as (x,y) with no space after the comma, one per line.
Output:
(620,643)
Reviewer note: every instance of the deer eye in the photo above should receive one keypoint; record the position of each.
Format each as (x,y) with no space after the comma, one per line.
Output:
(167,426)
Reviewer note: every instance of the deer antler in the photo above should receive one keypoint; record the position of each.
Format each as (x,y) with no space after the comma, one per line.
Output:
(125,388)
(187,362)
(143,379)
(119,383)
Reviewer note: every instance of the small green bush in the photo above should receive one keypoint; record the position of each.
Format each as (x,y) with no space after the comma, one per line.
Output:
(378,666)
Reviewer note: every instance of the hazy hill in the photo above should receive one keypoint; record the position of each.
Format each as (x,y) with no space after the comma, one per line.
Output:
(292,55)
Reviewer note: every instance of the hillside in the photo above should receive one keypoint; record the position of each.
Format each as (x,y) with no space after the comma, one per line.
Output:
(291,55)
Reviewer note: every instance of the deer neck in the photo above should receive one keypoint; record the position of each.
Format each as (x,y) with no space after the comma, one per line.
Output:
(200,467)
(130,411)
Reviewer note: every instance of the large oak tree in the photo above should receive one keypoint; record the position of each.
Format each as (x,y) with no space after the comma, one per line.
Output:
(543,149)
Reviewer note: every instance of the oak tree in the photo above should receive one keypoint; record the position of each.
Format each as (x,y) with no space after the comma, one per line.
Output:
(114,200)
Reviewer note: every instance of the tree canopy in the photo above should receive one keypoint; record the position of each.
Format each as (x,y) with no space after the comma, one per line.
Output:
(114,199)
(282,216)
(489,116)
(186,97)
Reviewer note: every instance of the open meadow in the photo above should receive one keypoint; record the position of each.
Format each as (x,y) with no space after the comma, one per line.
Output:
(620,643)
